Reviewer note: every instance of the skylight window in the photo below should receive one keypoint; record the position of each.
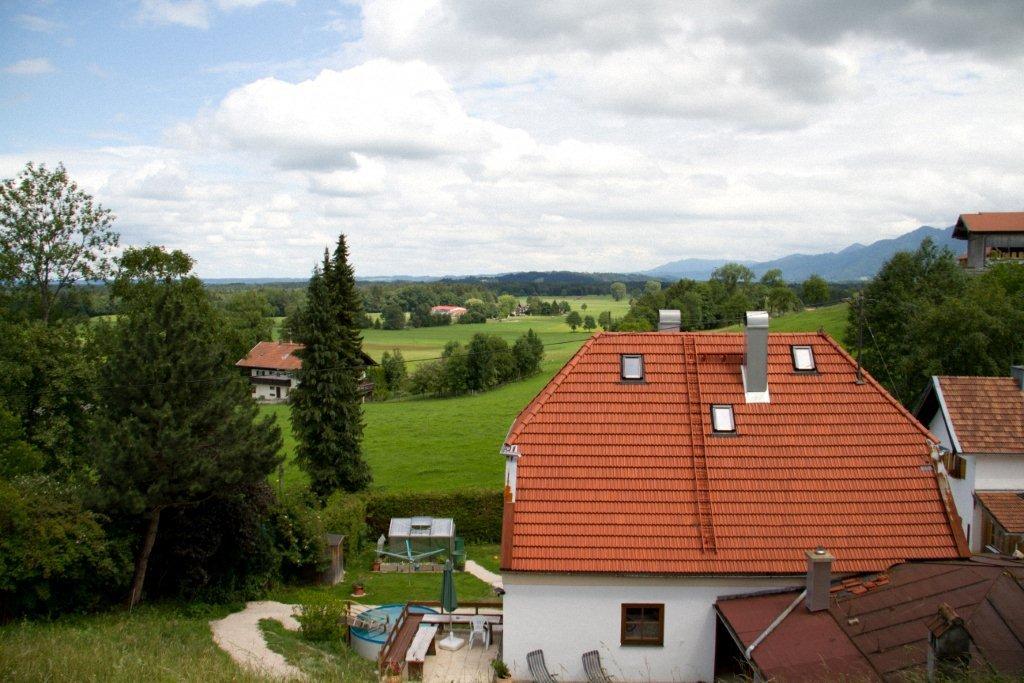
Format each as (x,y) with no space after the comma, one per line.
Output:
(633,367)
(722,419)
(803,358)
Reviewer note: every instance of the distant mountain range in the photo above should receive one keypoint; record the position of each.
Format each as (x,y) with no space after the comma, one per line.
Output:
(855,262)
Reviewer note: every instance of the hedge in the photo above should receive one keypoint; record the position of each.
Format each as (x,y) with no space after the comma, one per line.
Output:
(477,513)
(346,514)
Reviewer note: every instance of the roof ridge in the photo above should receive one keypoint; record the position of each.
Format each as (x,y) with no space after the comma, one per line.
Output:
(534,405)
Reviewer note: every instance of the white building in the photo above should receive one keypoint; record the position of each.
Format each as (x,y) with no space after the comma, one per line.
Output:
(272,368)
(980,424)
(659,471)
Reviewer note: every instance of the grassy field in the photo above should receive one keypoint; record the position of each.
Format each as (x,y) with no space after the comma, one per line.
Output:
(153,643)
(830,318)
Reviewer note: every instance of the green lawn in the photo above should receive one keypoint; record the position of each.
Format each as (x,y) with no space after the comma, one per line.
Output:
(153,643)
(390,588)
(831,318)
(328,661)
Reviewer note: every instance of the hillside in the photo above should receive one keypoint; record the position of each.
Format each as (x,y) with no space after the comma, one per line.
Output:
(855,262)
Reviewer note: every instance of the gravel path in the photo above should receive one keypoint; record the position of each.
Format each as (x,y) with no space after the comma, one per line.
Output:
(239,635)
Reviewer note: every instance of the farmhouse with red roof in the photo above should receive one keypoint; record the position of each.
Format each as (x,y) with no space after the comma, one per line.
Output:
(989,236)
(659,471)
(454,312)
(272,368)
(980,423)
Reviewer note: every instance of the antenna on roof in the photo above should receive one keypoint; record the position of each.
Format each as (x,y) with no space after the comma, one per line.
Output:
(860,335)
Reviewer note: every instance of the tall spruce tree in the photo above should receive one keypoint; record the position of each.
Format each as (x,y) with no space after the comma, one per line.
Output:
(327,412)
(178,423)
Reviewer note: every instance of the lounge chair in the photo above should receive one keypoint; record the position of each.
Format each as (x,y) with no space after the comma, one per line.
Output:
(538,669)
(479,632)
(592,665)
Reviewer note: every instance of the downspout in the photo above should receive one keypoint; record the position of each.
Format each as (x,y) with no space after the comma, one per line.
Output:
(772,626)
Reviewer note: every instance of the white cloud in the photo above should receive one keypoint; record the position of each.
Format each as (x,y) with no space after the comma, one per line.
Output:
(30,67)
(190,13)
(228,5)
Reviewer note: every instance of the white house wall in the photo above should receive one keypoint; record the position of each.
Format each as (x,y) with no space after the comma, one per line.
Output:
(567,615)
(999,472)
(962,489)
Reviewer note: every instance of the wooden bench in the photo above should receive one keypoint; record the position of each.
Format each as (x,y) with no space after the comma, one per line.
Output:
(422,645)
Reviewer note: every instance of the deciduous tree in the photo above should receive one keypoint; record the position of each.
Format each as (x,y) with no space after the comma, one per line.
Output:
(52,234)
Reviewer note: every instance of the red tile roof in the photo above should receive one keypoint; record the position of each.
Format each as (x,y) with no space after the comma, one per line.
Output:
(1006,506)
(451,310)
(611,478)
(273,356)
(876,628)
(270,355)
(1007,221)
(987,413)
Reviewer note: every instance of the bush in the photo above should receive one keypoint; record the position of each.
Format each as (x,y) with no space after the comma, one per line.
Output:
(477,513)
(298,530)
(54,554)
(345,514)
(322,623)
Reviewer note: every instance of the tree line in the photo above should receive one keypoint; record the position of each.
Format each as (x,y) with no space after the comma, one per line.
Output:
(133,461)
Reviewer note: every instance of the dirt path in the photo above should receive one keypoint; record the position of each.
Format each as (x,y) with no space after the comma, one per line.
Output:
(239,635)
(483,574)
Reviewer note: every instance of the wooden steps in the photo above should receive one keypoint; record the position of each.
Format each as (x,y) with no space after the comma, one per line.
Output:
(396,647)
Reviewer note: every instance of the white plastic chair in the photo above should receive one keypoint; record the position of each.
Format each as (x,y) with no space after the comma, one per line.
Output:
(478,625)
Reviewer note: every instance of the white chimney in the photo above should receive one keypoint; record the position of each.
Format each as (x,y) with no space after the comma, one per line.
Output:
(819,579)
(755,357)
(669,321)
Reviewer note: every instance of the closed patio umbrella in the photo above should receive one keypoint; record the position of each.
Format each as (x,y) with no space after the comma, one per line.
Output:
(449,603)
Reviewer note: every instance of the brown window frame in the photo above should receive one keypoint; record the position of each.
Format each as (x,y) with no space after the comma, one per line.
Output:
(956,464)
(641,642)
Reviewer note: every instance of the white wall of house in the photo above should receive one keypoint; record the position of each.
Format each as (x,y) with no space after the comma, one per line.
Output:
(962,489)
(268,392)
(566,615)
(1002,472)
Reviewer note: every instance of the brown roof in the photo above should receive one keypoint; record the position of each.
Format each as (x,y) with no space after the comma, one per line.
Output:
(1006,506)
(1007,221)
(987,413)
(876,626)
(627,477)
(271,355)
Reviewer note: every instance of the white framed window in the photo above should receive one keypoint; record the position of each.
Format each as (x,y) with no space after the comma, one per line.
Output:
(632,367)
(803,358)
(722,420)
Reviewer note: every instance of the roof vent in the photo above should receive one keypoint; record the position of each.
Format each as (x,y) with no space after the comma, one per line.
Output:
(1017,372)
(755,357)
(669,321)
(949,645)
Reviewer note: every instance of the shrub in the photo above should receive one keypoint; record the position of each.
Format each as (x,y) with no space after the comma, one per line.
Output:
(345,514)
(477,513)
(322,623)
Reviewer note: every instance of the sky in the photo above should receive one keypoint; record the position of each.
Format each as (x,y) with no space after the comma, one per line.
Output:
(483,136)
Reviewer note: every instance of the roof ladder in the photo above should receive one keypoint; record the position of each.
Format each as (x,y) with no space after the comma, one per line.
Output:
(700,464)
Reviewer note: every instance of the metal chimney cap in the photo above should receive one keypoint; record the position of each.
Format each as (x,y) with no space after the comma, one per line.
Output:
(755,319)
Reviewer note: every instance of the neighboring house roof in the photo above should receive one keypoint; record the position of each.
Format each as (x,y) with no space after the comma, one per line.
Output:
(986,414)
(271,355)
(1008,221)
(877,627)
(610,477)
(1007,507)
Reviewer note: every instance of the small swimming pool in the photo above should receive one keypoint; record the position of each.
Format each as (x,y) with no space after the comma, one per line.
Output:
(368,641)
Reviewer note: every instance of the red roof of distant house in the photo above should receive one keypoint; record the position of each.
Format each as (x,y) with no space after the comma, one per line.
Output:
(448,309)
(1008,221)
(1007,507)
(609,477)
(877,627)
(987,413)
(271,355)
